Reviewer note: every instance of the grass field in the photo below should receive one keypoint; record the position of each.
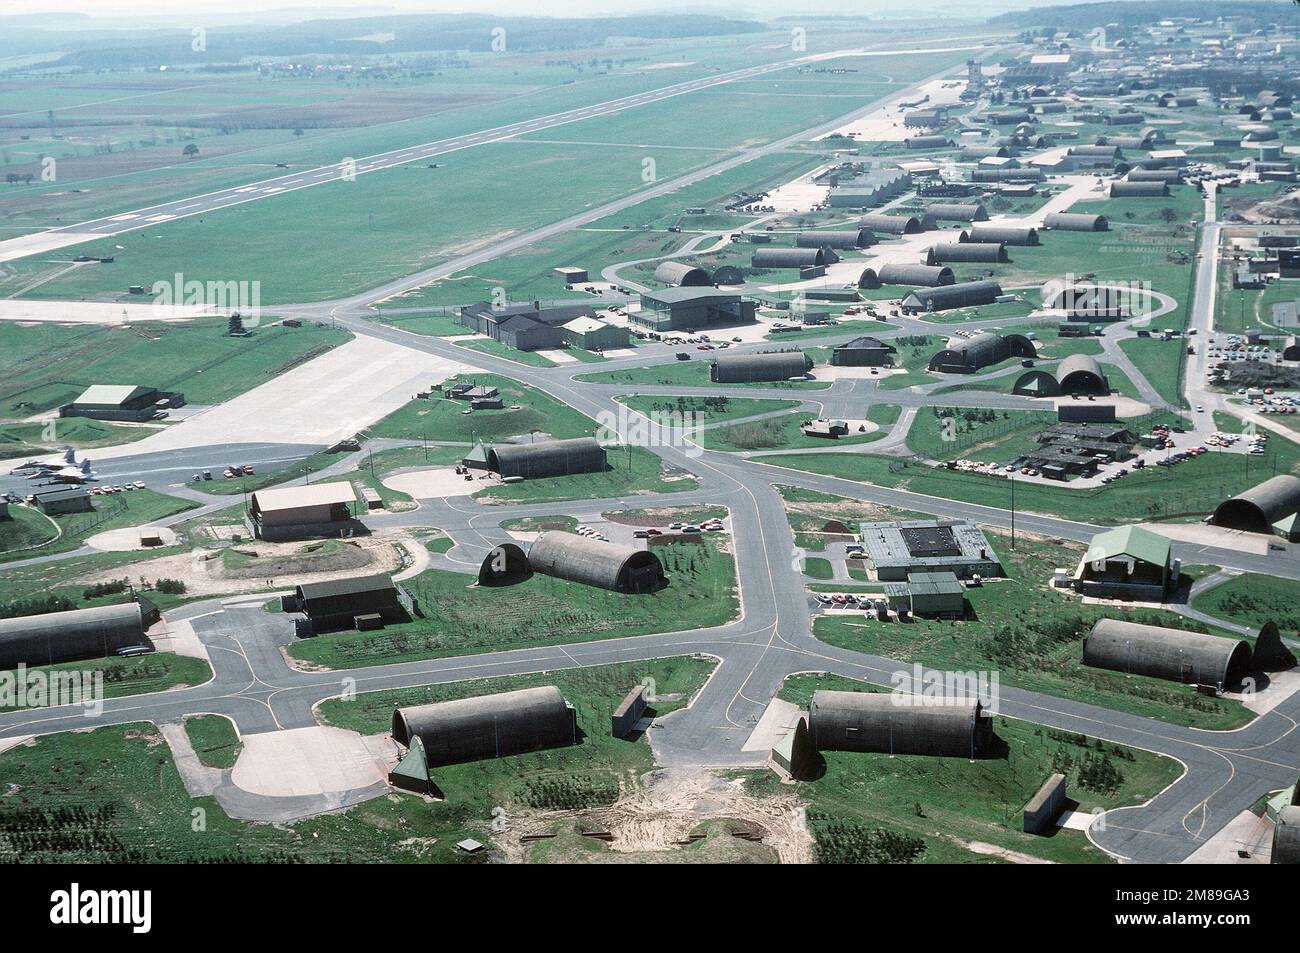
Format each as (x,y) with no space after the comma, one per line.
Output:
(215,740)
(874,808)
(952,433)
(778,433)
(706,410)
(527,411)
(141,675)
(113,795)
(691,373)
(51,364)
(136,508)
(631,471)
(460,618)
(26,527)
(81,432)
(1253,599)
(1196,486)
(1033,638)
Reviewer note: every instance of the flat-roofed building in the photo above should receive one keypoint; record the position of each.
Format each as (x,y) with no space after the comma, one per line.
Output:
(897,550)
(682,309)
(302,512)
(73,499)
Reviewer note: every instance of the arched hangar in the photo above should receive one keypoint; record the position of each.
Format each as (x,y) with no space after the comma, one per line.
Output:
(681,275)
(965,356)
(54,637)
(488,726)
(875,721)
(547,458)
(595,562)
(1260,507)
(1081,374)
(1175,654)
(505,565)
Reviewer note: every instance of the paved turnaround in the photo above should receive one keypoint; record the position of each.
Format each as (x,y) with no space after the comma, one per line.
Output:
(252,684)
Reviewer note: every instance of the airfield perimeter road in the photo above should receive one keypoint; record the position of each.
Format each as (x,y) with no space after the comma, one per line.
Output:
(1225,771)
(342,171)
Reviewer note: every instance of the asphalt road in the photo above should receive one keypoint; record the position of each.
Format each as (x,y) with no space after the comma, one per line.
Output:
(1225,771)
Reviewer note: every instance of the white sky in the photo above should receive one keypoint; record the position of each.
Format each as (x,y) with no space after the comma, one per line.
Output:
(188,9)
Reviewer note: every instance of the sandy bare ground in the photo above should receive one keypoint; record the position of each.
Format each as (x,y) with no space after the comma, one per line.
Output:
(992,850)
(431,483)
(121,540)
(357,383)
(207,577)
(655,813)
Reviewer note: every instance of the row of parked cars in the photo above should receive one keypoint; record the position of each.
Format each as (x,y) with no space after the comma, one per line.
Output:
(116,488)
(851,600)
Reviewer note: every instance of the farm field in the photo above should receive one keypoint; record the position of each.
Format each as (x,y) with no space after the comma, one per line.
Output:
(874,808)
(460,619)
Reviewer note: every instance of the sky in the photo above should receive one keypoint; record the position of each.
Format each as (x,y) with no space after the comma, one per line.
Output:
(188,9)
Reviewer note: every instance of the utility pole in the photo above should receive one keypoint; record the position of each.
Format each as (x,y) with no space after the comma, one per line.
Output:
(1013,511)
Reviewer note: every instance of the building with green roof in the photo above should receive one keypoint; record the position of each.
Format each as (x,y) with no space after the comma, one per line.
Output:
(1127,563)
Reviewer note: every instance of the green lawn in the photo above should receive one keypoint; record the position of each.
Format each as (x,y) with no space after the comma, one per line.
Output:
(136,508)
(815,567)
(951,433)
(1033,637)
(1253,599)
(50,364)
(497,349)
(1161,363)
(1196,486)
(632,471)
(26,527)
(705,410)
(459,618)
(215,740)
(80,432)
(141,675)
(526,410)
(692,373)
(778,433)
(874,808)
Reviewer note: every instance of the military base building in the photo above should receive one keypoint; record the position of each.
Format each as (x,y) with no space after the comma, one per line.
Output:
(54,637)
(876,722)
(302,512)
(898,550)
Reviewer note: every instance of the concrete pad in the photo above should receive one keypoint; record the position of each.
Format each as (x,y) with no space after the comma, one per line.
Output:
(559,356)
(178,637)
(1075,820)
(198,778)
(1281,686)
(123,540)
(14,742)
(34,244)
(305,761)
(320,402)
(778,720)
(1205,535)
(95,312)
(434,483)
(1246,832)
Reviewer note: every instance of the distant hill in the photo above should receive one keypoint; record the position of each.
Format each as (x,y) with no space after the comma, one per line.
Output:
(93,48)
(1082,16)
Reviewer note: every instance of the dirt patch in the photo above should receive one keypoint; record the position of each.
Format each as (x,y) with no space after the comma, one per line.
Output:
(654,819)
(265,560)
(208,577)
